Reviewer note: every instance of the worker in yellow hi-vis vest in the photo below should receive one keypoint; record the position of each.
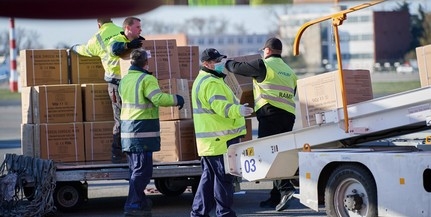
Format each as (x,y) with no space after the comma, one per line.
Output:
(219,122)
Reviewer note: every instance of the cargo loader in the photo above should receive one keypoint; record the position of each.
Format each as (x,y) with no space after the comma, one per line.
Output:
(345,161)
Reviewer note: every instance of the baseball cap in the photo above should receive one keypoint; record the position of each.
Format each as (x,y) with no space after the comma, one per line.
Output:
(211,54)
(273,44)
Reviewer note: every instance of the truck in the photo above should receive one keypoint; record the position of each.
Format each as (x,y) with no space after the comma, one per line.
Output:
(346,162)
(67,182)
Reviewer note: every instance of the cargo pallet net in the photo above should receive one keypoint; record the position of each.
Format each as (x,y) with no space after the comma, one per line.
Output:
(26,186)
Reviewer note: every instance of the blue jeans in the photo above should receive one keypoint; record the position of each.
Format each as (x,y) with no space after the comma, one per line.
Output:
(215,188)
(141,171)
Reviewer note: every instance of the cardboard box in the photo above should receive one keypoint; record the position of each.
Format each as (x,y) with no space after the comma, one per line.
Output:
(322,92)
(163,59)
(86,69)
(26,105)
(27,139)
(57,103)
(96,102)
(177,142)
(423,55)
(242,86)
(248,126)
(180,87)
(188,57)
(61,142)
(180,38)
(98,140)
(41,67)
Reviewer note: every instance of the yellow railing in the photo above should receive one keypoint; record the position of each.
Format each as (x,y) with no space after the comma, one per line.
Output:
(337,20)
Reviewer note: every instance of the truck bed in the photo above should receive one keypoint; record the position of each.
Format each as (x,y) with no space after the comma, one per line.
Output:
(105,170)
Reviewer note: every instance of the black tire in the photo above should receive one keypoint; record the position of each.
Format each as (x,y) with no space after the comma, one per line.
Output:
(168,187)
(68,196)
(351,191)
(29,193)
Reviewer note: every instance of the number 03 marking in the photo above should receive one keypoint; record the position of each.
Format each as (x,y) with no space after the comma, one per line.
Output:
(250,166)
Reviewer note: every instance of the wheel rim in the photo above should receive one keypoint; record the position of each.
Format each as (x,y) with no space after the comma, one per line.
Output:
(347,189)
(67,196)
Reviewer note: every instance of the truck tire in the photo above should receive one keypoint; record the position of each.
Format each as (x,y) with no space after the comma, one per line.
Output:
(29,193)
(351,191)
(169,187)
(68,196)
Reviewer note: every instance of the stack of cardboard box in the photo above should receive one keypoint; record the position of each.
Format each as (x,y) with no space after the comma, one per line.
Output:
(67,113)
(51,108)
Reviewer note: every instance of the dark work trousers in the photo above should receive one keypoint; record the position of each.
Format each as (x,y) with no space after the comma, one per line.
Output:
(215,188)
(141,171)
(275,124)
(116,109)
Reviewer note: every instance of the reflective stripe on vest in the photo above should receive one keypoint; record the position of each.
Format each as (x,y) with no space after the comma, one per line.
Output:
(220,133)
(139,135)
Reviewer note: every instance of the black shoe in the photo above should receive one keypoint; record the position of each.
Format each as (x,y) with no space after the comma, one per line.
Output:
(270,203)
(284,203)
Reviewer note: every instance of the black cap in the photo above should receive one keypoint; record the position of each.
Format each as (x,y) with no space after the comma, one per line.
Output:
(273,44)
(211,54)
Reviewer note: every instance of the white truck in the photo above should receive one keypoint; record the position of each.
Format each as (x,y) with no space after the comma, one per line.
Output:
(339,161)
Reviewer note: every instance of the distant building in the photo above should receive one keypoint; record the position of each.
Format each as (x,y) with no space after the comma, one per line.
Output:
(367,39)
(230,45)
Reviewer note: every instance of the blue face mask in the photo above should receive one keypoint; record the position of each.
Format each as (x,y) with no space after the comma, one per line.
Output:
(218,67)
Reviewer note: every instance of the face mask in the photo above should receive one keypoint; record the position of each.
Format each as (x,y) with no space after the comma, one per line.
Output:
(218,67)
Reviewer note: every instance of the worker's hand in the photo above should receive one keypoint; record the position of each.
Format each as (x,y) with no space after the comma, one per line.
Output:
(135,43)
(245,110)
(180,102)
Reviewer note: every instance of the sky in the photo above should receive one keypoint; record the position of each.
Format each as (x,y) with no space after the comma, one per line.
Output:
(254,19)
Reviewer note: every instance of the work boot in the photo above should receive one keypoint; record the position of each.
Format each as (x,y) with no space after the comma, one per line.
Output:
(284,203)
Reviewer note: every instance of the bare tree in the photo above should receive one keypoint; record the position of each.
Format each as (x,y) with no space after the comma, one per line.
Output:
(25,39)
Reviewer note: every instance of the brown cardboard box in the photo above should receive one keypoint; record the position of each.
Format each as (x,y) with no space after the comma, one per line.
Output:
(180,87)
(97,104)
(41,67)
(242,86)
(249,135)
(62,142)
(322,92)
(423,55)
(177,142)
(188,57)
(180,38)
(98,140)
(163,59)
(27,139)
(26,105)
(57,103)
(86,69)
